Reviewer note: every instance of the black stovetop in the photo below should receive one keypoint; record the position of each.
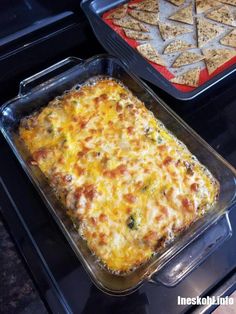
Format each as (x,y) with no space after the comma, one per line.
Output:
(60,278)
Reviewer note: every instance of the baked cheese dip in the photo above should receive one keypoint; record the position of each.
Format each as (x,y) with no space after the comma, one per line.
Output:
(128,184)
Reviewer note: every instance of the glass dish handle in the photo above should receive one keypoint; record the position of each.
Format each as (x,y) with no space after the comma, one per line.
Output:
(48,75)
(194,254)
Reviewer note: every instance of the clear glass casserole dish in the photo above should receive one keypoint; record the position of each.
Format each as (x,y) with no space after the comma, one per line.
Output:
(188,250)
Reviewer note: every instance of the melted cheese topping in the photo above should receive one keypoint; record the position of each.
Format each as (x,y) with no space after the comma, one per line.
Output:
(127,182)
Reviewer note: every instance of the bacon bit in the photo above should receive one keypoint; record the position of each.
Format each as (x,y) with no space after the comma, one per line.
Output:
(120,170)
(164,210)
(167,161)
(146,170)
(187,204)
(150,238)
(158,218)
(42,153)
(59,129)
(194,187)
(75,119)
(130,130)
(130,198)
(83,123)
(110,123)
(88,190)
(93,131)
(87,139)
(79,171)
(162,147)
(118,107)
(93,221)
(102,217)
(128,210)
(94,235)
(121,116)
(84,151)
(102,239)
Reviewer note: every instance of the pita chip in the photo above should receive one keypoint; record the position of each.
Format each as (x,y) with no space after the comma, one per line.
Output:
(207,31)
(229,39)
(215,58)
(205,5)
(189,78)
(184,15)
(150,53)
(177,2)
(136,35)
(168,31)
(222,15)
(231,2)
(146,17)
(118,13)
(187,58)
(177,45)
(146,5)
(130,23)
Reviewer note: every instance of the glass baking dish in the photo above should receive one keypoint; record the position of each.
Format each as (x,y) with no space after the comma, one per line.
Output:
(187,251)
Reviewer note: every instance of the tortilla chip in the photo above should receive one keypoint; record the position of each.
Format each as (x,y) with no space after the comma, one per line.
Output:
(231,2)
(189,78)
(215,58)
(229,39)
(207,31)
(184,15)
(177,2)
(146,5)
(205,5)
(136,35)
(150,53)
(187,58)
(177,45)
(222,15)
(146,17)
(168,31)
(118,13)
(130,23)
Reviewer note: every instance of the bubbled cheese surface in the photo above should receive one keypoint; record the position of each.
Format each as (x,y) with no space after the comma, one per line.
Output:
(122,176)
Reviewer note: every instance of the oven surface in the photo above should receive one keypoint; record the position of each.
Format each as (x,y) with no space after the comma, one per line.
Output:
(62,281)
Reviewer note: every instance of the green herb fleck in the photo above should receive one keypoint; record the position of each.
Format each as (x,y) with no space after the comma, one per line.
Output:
(131,222)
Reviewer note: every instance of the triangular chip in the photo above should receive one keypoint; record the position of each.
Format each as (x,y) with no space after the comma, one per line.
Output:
(146,17)
(168,31)
(177,2)
(189,78)
(150,53)
(205,5)
(118,13)
(222,15)
(177,45)
(229,39)
(130,23)
(187,58)
(217,57)
(207,31)
(231,2)
(137,35)
(184,15)
(147,5)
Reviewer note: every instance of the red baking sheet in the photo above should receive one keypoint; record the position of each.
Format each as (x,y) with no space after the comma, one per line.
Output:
(204,76)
